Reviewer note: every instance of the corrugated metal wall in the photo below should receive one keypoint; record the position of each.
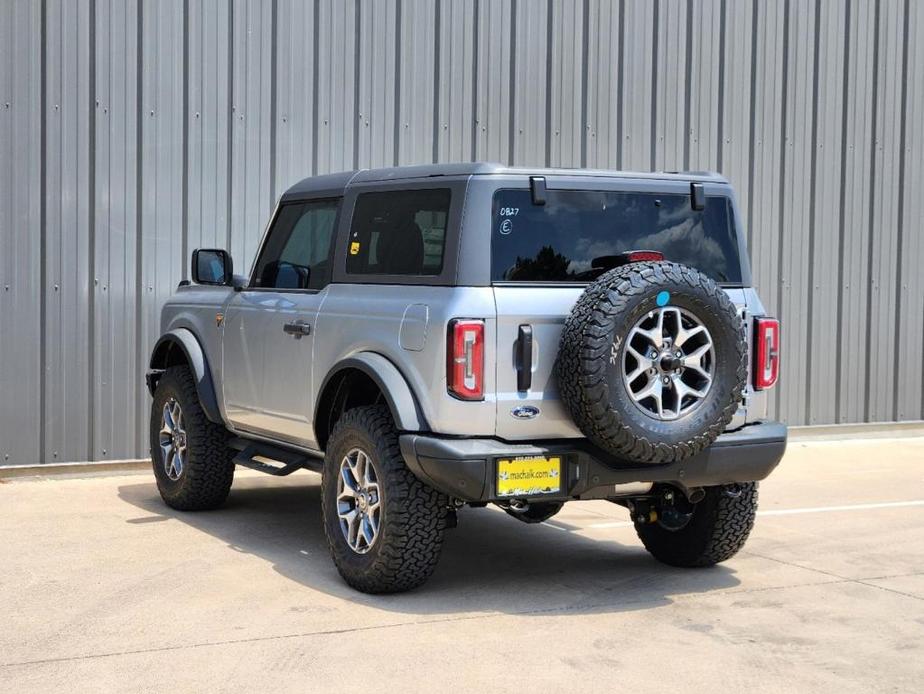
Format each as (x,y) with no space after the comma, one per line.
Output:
(132,131)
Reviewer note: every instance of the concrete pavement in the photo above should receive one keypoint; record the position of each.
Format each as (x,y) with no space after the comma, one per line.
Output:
(105,589)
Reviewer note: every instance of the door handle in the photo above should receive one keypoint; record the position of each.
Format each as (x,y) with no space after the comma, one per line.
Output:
(298,329)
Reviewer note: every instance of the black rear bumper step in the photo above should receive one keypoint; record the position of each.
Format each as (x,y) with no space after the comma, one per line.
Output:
(288,460)
(466,468)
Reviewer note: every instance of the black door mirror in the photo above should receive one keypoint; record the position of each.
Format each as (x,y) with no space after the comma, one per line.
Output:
(212,266)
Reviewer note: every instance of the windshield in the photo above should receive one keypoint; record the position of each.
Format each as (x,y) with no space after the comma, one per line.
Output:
(578,235)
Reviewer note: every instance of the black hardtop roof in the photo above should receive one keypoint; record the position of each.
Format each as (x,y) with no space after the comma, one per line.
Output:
(332,183)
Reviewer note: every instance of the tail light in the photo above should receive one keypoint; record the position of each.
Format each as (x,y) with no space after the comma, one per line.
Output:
(465,367)
(766,353)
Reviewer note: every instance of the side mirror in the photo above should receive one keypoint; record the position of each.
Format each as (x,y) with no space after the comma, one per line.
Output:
(212,266)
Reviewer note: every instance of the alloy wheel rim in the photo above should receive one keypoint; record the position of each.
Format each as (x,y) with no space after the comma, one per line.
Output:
(359,507)
(668,363)
(173,441)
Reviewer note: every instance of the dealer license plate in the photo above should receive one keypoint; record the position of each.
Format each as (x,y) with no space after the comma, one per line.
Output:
(528,476)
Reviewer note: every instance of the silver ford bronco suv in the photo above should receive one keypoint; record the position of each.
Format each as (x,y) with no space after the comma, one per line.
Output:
(435,337)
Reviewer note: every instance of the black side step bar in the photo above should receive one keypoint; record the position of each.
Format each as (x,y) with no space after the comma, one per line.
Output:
(289,460)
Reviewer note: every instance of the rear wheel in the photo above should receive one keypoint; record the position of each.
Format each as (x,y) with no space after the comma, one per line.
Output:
(193,464)
(705,533)
(384,526)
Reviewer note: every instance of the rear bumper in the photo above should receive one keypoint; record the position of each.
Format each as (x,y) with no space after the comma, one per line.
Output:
(466,468)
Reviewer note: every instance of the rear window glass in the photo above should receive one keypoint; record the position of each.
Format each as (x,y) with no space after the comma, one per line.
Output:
(400,232)
(576,234)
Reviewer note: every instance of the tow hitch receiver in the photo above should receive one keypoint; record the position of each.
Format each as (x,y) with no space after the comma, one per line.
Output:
(667,505)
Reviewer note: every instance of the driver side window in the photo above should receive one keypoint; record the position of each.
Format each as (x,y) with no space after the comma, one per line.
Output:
(297,252)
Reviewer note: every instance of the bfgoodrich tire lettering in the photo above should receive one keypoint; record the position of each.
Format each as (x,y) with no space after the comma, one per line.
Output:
(208,470)
(594,340)
(412,518)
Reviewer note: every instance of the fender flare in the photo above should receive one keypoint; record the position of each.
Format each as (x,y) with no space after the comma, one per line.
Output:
(185,340)
(401,401)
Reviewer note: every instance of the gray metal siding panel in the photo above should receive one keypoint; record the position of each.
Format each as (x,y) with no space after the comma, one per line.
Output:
(67,267)
(337,88)
(114,351)
(823,292)
(455,81)
(705,74)
(671,76)
(416,81)
(250,112)
(636,97)
(851,348)
(883,217)
(603,65)
(493,115)
(378,130)
(20,214)
(208,122)
(295,93)
(910,318)
(795,196)
(530,82)
(565,88)
(128,139)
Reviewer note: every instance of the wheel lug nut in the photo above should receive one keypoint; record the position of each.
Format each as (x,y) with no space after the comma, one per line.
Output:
(666,380)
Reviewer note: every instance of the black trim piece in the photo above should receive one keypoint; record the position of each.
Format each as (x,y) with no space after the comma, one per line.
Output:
(404,406)
(464,468)
(537,189)
(697,196)
(524,358)
(290,460)
(195,357)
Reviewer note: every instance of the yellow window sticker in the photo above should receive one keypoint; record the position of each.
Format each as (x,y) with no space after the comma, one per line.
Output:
(354,248)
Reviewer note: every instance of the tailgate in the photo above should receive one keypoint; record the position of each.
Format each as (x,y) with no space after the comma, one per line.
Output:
(543,310)
(537,413)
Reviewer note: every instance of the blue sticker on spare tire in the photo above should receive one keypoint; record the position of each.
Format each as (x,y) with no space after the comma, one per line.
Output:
(663,298)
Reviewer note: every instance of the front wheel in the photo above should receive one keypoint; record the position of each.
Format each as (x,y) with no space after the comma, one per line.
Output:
(384,526)
(193,464)
(714,530)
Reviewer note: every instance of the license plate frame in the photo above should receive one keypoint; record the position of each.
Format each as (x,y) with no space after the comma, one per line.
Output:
(529,476)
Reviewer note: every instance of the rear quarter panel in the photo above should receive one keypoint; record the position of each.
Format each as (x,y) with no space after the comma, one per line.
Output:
(364,317)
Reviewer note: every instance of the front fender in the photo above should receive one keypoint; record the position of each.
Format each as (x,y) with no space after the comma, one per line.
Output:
(397,392)
(167,351)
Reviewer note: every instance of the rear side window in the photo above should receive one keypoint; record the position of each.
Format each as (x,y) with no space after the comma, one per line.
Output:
(576,234)
(399,233)
(297,252)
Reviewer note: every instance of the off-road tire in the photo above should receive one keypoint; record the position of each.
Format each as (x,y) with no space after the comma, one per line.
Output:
(414,516)
(602,317)
(719,527)
(209,470)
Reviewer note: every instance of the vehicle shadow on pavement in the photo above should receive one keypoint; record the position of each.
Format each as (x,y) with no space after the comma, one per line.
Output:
(490,562)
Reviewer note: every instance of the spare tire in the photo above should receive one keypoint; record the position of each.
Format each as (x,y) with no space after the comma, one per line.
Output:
(653,362)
